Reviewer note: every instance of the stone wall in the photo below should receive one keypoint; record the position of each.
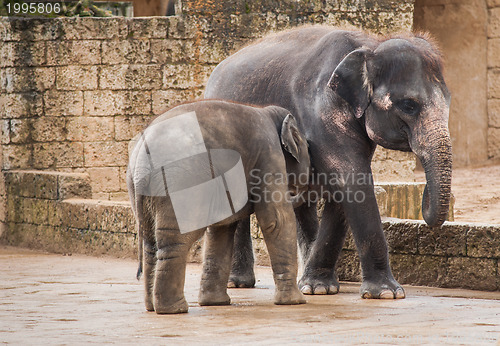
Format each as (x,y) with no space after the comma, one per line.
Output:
(74,91)
(493,79)
(468,32)
(52,211)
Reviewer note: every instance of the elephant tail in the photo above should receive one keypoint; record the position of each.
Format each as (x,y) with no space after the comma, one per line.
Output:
(139,209)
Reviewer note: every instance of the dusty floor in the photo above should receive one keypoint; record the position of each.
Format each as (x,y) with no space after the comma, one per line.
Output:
(55,299)
(477,194)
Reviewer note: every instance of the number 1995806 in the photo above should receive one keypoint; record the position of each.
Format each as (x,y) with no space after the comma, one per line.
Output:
(34,8)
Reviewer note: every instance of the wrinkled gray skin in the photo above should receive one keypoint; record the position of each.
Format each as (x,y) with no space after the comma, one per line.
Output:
(350,92)
(268,140)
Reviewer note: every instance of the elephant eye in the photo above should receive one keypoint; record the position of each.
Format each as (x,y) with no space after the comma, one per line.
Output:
(409,106)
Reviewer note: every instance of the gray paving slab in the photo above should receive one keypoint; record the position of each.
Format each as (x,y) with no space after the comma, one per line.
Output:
(75,300)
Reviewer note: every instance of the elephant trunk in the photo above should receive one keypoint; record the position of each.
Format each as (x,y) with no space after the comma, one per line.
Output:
(436,159)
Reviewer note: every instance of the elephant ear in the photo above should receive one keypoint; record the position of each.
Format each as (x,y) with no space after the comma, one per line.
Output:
(350,80)
(291,137)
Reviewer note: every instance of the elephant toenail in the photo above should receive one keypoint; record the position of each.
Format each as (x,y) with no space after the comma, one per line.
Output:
(386,294)
(400,293)
(306,289)
(367,295)
(333,289)
(231,284)
(320,290)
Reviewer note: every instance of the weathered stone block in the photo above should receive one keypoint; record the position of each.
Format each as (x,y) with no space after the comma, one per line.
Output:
(5,131)
(168,51)
(22,54)
(494,22)
(154,27)
(493,3)
(91,28)
(111,216)
(59,103)
(182,27)
(126,52)
(35,211)
(483,241)
(16,156)
(494,142)
(127,127)
(165,99)
(23,105)
(212,52)
(77,77)
(473,273)
(109,153)
(19,130)
(29,29)
(494,83)
(185,76)
(48,129)
(57,155)
(494,113)
(75,214)
(123,180)
(88,129)
(46,185)
(20,184)
(107,102)
(142,77)
(74,185)
(418,270)
(447,240)
(25,79)
(402,237)
(348,267)
(74,52)
(15,209)
(105,179)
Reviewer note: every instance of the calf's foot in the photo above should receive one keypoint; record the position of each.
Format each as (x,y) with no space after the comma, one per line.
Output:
(289,297)
(178,307)
(213,298)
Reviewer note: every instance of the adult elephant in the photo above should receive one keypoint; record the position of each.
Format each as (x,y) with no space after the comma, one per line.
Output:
(350,91)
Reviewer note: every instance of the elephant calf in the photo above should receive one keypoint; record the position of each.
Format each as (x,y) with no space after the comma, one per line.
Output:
(212,163)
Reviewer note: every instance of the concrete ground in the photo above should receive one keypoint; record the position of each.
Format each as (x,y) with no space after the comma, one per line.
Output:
(74,300)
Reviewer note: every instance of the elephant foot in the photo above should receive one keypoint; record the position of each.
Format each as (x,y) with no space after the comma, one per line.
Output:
(213,298)
(241,280)
(149,306)
(381,289)
(319,284)
(178,307)
(289,297)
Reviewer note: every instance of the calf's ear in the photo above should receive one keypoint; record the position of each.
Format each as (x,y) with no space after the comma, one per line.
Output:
(350,80)
(291,137)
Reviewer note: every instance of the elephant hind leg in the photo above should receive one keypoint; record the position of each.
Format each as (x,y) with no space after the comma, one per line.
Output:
(170,270)
(218,248)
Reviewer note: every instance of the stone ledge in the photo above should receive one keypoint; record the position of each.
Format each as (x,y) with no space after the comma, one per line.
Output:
(51,211)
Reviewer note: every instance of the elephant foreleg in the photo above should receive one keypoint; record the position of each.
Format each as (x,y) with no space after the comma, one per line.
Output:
(242,273)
